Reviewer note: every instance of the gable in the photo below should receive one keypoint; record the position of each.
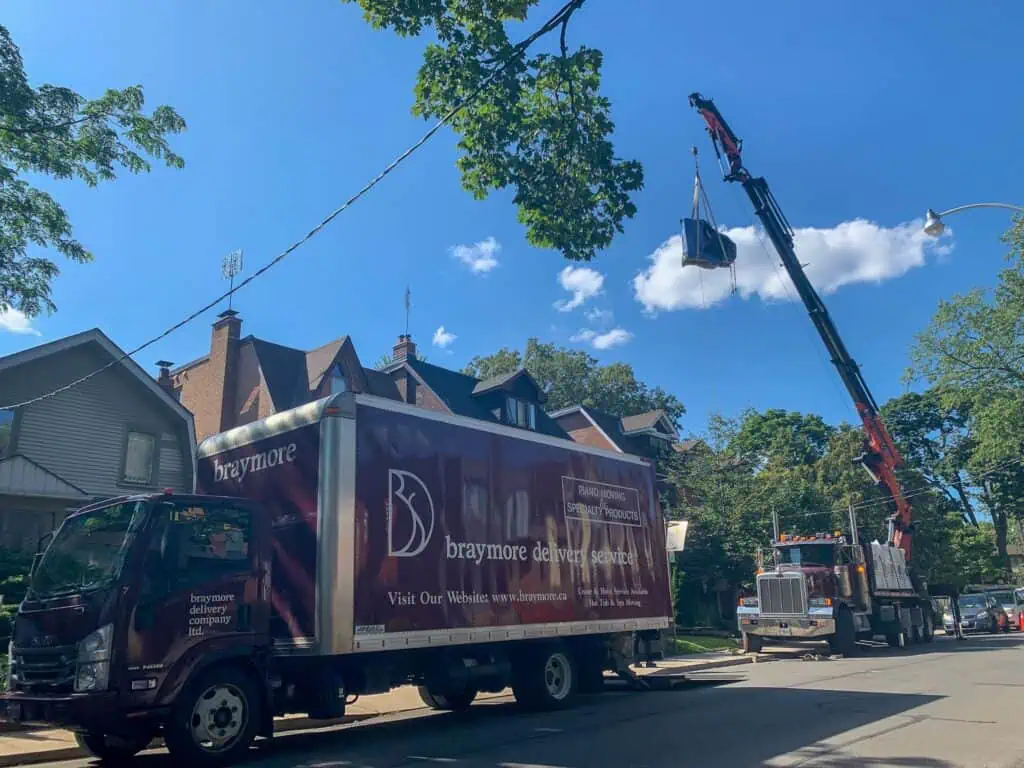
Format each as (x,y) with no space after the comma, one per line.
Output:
(96,339)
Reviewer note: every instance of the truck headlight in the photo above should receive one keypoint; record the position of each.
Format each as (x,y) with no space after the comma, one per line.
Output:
(92,671)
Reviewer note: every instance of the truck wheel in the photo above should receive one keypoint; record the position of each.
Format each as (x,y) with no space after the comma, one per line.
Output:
(112,750)
(844,641)
(894,638)
(544,679)
(215,720)
(751,643)
(447,702)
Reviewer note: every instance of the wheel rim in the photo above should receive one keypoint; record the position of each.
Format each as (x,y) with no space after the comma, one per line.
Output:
(557,676)
(218,718)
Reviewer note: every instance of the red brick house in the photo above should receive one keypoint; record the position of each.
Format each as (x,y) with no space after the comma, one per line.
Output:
(244,379)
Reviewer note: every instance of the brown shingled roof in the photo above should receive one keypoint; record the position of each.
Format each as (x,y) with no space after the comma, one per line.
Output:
(642,420)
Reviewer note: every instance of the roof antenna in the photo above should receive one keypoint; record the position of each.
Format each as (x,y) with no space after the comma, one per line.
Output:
(408,308)
(230,267)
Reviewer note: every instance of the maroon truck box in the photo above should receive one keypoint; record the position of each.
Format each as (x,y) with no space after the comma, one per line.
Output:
(398,527)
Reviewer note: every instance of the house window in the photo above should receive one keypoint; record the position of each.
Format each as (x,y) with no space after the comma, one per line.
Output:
(338,381)
(139,458)
(521,413)
(6,430)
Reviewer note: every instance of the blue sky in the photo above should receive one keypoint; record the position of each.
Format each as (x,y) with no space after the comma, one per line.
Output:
(869,113)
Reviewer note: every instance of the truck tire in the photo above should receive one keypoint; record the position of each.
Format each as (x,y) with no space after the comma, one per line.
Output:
(893,638)
(447,702)
(215,719)
(112,750)
(544,678)
(752,643)
(844,641)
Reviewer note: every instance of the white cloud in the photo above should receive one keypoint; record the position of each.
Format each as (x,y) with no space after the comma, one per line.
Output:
(443,338)
(14,321)
(856,251)
(616,337)
(582,282)
(480,257)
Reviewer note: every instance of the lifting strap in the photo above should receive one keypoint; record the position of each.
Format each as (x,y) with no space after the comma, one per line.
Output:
(696,230)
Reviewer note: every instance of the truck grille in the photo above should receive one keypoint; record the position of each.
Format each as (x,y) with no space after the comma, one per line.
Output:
(50,669)
(782,594)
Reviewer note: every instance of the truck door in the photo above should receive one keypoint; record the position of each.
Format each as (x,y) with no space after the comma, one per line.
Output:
(201,584)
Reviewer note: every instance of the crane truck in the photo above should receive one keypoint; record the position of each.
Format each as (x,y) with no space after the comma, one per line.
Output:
(827,586)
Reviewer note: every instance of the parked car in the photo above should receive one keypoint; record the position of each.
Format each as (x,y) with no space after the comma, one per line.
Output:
(981,612)
(1012,601)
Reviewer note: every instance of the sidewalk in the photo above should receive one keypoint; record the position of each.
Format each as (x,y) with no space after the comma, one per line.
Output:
(18,747)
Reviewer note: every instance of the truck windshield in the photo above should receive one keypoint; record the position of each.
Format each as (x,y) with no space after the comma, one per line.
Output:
(807,554)
(88,550)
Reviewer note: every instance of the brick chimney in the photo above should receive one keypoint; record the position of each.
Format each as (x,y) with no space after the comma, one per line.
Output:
(223,379)
(404,349)
(164,377)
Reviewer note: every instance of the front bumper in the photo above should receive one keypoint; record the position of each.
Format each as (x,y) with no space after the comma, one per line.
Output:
(84,711)
(817,624)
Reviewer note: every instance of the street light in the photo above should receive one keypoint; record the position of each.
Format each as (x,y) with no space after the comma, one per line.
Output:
(934,227)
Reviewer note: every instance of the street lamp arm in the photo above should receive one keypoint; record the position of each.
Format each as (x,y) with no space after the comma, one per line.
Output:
(1005,206)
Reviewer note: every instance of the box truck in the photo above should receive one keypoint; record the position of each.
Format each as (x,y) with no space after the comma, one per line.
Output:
(345,547)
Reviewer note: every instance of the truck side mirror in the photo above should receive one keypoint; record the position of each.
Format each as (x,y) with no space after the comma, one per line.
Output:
(36,559)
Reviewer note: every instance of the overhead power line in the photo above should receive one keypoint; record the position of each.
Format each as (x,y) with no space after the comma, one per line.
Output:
(561,16)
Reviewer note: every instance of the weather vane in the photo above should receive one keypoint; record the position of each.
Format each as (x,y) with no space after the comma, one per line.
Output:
(230,267)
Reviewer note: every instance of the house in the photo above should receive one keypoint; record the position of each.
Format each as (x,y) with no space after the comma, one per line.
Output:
(244,379)
(514,399)
(644,434)
(114,433)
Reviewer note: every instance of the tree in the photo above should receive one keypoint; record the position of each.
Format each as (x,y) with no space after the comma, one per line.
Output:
(933,435)
(973,352)
(53,131)
(783,436)
(572,377)
(537,124)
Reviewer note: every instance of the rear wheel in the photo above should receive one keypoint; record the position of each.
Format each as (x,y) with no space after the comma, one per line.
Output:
(459,701)
(544,678)
(215,720)
(112,750)
(752,643)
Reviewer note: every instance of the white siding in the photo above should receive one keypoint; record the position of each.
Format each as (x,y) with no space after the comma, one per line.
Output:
(79,435)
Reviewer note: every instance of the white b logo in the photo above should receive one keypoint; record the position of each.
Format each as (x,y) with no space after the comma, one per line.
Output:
(402,507)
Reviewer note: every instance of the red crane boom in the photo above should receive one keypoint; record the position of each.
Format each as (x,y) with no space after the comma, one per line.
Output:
(880,458)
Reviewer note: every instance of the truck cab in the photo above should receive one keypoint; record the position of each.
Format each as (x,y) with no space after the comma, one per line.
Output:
(140,608)
(798,598)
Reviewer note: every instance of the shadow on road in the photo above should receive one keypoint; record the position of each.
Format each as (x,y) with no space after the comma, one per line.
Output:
(717,725)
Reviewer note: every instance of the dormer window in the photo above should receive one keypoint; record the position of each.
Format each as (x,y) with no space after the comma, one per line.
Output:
(521,413)
(338,381)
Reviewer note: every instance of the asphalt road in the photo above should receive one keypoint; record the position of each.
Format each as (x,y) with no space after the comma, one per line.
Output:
(952,704)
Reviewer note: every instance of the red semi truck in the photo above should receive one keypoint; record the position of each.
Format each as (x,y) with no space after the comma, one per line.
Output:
(345,547)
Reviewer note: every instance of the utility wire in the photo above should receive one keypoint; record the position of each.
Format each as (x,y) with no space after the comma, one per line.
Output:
(554,22)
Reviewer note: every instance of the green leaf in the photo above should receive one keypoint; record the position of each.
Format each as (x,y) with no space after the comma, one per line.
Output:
(56,132)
